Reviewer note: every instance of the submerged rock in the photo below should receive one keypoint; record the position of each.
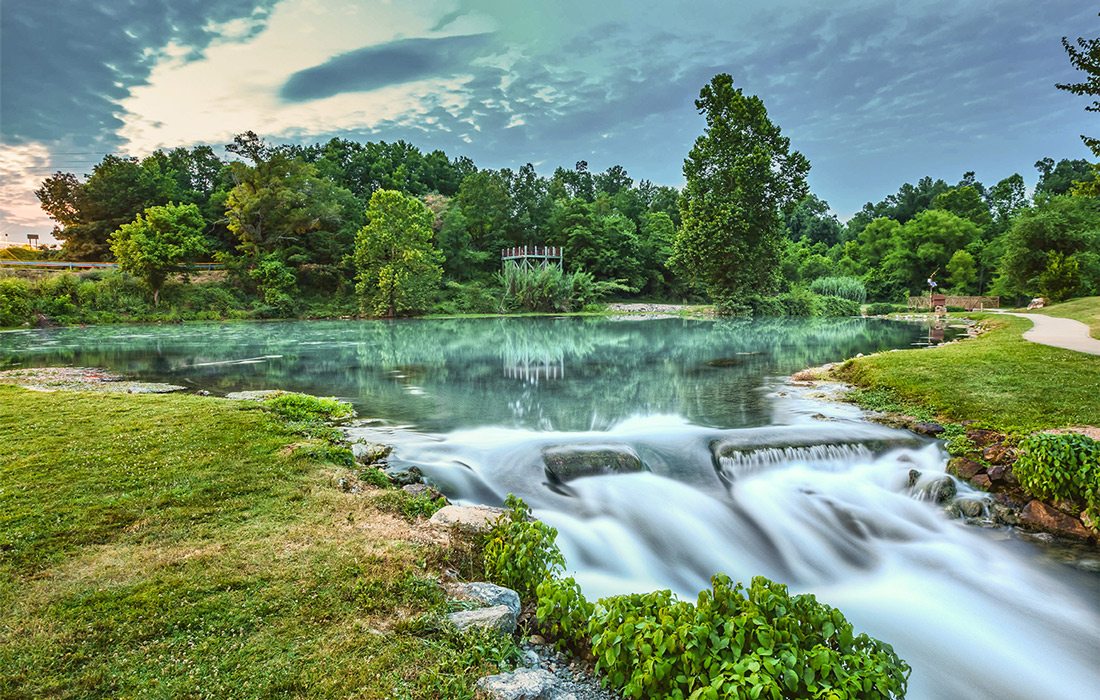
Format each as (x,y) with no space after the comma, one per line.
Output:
(566,463)
(500,618)
(476,518)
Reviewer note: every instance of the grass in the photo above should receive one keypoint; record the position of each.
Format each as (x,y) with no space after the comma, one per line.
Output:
(997,379)
(1086,310)
(179,547)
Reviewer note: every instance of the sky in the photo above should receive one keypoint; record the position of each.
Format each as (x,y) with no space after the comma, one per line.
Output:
(874,92)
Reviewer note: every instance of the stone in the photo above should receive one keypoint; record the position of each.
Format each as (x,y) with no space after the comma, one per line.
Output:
(943,490)
(500,618)
(521,684)
(963,468)
(153,388)
(982,481)
(1090,522)
(404,477)
(1040,516)
(1003,515)
(996,473)
(998,454)
(566,463)
(537,640)
(259,395)
(371,453)
(970,508)
(476,518)
(914,477)
(488,594)
(418,490)
(927,428)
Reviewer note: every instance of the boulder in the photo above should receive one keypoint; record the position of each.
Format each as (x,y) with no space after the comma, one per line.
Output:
(570,462)
(996,473)
(476,518)
(500,618)
(999,454)
(1040,516)
(970,508)
(488,594)
(417,490)
(963,468)
(982,481)
(404,477)
(927,428)
(371,453)
(522,684)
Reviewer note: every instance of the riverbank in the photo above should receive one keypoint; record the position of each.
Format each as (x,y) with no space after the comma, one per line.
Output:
(986,396)
(183,546)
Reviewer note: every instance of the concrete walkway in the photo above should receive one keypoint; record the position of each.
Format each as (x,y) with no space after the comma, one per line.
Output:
(1059,333)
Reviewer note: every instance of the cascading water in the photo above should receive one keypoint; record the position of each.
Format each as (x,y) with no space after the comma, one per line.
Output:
(840,508)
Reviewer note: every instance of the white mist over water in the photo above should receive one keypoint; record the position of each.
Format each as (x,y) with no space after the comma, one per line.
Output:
(822,505)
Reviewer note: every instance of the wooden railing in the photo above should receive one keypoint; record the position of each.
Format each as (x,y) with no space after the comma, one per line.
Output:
(80,265)
(969,303)
(530,251)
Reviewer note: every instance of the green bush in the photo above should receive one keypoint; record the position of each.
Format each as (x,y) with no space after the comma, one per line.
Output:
(519,552)
(850,288)
(410,507)
(764,306)
(832,307)
(563,613)
(467,298)
(15,302)
(1065,466)
(879,308)
(375,477)
(736,643)
(800,303)
(306,408)
(549,289)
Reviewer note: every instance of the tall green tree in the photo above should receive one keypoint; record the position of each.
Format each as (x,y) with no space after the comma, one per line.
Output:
(739,175)
(397,266)
(1084,54)
(158,242)
(1053,249)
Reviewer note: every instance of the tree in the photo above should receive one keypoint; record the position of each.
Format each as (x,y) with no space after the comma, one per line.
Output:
(810,219)
(1053,249)
(965,201)
(1061,177)
(739,175)
(158,242)
(1006,198)
(1085,56)
(397,266)
(962,272)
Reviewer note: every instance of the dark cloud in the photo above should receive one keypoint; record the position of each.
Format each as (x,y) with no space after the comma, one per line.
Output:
(393,63)
(64,66)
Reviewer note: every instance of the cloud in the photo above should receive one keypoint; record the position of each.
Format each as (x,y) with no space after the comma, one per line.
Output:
(21,169)
(392,63)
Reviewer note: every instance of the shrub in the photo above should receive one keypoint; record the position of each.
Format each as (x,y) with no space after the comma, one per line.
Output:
(306,408)
(850,288)
(800,302)
(519,552)
(879,308)
(15,302)
(549,289)
(375,477)
(836,306)
(563,613)
(765,306)
(736,643)
(1065,466)
(410,507)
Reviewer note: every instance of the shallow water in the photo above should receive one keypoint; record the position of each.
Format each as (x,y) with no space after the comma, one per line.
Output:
(665,451)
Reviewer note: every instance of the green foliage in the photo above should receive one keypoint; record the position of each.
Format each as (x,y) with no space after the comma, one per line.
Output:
(548,289)
(1053,248)
(886,401)
(306,408)
(158,242)
(563,613)
(956,441)
(15,302)
(411,508)
(519,552)
(739,175)
(1063,466)
(837,307)
(757,643)
(851,288)
(326,453)
(275,281)
(799,303)
(879,308)
(375,477)
(397,265)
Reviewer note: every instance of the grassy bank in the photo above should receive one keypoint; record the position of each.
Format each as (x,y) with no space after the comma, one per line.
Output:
(997,379)
(1086,310)
(180,546)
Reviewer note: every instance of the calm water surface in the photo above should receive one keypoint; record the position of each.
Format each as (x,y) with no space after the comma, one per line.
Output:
(665,451)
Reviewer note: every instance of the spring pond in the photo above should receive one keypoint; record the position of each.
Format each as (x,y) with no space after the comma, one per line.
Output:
(663,451)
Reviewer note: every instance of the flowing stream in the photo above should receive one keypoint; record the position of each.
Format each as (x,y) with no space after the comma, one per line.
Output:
(665,451)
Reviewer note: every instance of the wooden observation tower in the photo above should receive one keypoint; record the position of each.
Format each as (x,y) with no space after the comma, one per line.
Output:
(531,256)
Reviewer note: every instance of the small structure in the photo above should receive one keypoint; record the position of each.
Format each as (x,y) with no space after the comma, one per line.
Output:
(930,302)
(32,241)
(531,256)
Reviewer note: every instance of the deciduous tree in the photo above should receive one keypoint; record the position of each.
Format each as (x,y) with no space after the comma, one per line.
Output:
(159,241)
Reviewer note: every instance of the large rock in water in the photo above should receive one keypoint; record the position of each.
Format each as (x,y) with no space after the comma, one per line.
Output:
(476,518)
(1040,516)
(523,684)
(569,462)
(499,618)
(488,594)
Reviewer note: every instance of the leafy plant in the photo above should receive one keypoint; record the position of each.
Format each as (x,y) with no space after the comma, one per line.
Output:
(411,508)
(519,552)
(830,306)
(563,613)
(1064,466)
(375,477)
(956,441)
(850,288)
(305,408)
(761,642)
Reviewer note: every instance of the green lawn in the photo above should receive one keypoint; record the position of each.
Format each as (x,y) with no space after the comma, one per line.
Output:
(175,547)
(998,379)
(1086,310)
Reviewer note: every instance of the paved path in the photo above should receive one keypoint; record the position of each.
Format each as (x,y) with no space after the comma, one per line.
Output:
(1059,333)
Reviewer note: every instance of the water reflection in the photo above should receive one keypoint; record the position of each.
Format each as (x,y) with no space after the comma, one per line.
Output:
(544,373)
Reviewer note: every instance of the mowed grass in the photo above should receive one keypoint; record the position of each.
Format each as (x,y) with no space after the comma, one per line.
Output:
(175,547)
(997,379)
(1086,310)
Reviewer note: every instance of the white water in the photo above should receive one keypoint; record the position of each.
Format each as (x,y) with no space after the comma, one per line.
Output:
(822,505)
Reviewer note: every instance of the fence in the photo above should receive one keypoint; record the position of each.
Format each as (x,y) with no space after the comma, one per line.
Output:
(968,303)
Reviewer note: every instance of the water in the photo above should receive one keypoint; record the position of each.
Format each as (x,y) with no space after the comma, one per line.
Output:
(665,451)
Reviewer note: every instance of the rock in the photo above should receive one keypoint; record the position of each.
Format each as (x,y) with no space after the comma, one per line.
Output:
(1003,514)
(259,395)
(943,490)
(982,481)
(1037,303)
(970,508)
(566,463)
(537,640)
(999,454)
(418,490)
(371,453)
(982,437)
(927,428)
(488,594)
(1040,516)
(521,684)
(963,468)
(995,473)
(498,617)
(1089,521)
(404,477)
(153,388)
(914,477)
(203,392)
(476,518)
